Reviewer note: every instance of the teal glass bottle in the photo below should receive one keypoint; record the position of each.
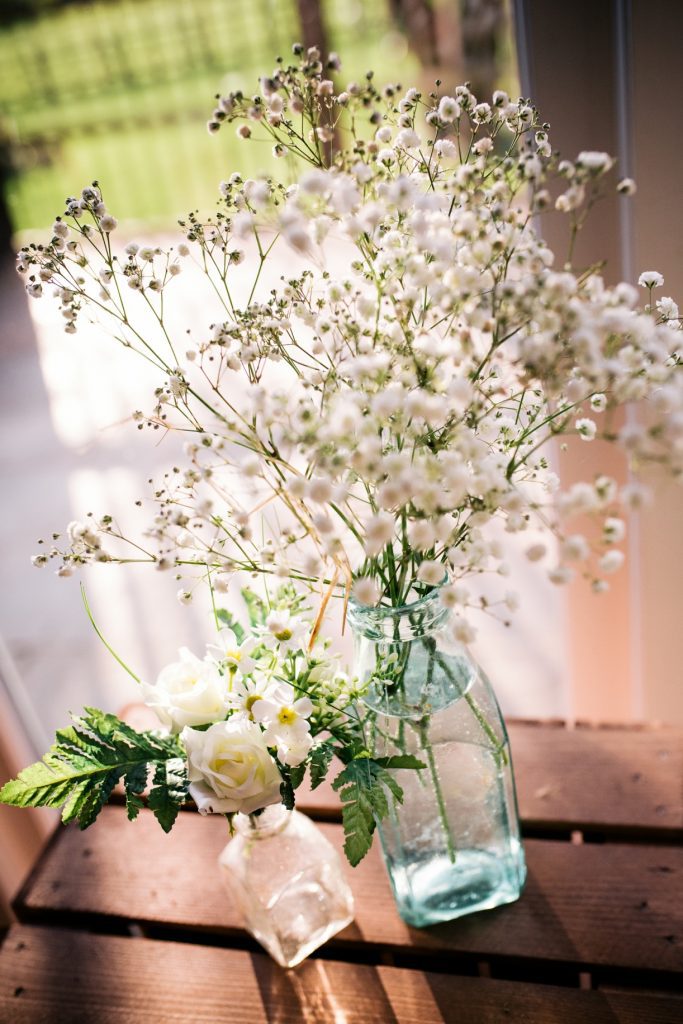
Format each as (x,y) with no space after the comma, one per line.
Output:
(453,846)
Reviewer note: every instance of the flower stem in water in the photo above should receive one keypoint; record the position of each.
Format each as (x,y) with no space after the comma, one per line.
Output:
(499,754)
(443,814)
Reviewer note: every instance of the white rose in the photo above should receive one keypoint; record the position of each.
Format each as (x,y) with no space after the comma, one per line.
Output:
(188,692)
(230,768)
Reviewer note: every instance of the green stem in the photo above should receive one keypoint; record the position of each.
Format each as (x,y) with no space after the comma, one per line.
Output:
(499,753)
(438,792)
(431,760)
(110,649)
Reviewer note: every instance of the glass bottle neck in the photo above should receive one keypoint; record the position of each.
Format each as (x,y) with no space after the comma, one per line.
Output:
(268,822)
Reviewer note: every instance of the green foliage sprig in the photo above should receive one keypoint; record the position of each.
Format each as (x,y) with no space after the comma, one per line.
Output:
(90,757)
(363,785)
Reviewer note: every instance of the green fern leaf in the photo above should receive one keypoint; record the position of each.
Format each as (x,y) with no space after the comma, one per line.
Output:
(320,759)
(89,758)
(362,785)
(287,793)
(135,784)
(169,791)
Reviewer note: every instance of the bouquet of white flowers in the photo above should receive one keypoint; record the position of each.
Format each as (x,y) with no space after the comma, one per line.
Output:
(243,724)
(355,429)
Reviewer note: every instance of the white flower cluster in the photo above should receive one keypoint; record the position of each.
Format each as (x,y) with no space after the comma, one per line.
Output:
(252,708)
(389,412)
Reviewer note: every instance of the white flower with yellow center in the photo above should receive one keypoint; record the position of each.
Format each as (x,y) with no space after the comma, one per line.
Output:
(245,692)
(285,630)
(230,768)
(190,691)
(286,726)
(234,655)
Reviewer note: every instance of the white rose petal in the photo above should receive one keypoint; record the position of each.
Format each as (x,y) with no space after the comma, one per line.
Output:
(230,768)
(190,691)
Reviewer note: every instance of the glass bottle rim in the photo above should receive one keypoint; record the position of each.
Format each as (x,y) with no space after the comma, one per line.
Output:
(377,616)
(425,601)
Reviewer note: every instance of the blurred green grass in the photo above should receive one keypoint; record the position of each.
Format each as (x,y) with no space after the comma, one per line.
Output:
(120,90)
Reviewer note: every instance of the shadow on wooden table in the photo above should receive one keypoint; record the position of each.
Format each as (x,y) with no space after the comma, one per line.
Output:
(321,990)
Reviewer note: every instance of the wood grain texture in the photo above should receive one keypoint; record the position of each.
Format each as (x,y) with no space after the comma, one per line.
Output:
(588,905)
(55,976)
(418,997)
(602,779)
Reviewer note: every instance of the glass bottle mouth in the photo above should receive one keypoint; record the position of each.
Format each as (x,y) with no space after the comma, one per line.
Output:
(402,622)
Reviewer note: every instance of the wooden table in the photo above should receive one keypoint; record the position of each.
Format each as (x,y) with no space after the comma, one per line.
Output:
(124,924)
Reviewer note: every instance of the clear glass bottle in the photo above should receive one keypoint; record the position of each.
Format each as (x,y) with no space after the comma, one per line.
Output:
(453,846)
(286,879)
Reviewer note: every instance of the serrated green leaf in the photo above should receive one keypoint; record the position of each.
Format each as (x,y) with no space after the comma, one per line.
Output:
(89,757)
(94,799)
(320,759)
(362,786)
(134,785)
(228,620)
(297,774)
(392,785)
(287,793)
(400,761)
(134,804)
(359,825)
(71,808)
(37,785)
(169,791)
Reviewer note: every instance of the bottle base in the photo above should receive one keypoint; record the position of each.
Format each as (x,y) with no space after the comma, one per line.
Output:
(307,912)
(436,889)
(288,953)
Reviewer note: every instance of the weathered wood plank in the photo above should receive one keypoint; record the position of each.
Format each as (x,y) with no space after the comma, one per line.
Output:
(599,779)
(55,976)
(592,905)
(418,997)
